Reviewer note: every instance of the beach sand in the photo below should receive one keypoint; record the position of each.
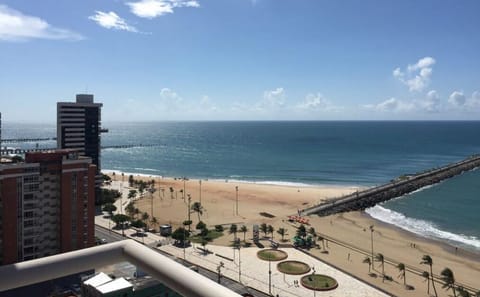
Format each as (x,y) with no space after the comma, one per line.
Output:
(219,201)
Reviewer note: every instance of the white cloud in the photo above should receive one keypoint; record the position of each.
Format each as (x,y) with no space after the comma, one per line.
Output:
(391,105)
(431,103)
(111,20)
(273,99)
(15,26)
(457,99)
(154,8)
(316,102)
(417,77)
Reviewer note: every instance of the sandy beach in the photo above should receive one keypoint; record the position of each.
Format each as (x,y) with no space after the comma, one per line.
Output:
(351,229)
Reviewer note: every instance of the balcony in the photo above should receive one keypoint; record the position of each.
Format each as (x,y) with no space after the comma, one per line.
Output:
(181,279)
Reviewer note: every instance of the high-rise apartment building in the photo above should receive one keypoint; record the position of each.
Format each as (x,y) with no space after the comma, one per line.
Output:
(79,127)
(46,205)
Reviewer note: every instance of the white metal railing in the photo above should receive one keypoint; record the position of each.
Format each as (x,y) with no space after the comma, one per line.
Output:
(186,282)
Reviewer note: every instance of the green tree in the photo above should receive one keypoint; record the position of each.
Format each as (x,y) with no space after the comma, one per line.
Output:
(198,208)
(120,219)
(187,223)
(233,230)
(145,217)
(401,268)
(131,181)
(282,232)
(244,230)
(427,260)
(219,228)
(110,208)
(369,262)
(132,194)
(180,234)
(301,231)
(154,222)
(264,228)
(448,280)
(379,258)
(138,224)
(130,209)
(426,275)
(201,225)
(270,230)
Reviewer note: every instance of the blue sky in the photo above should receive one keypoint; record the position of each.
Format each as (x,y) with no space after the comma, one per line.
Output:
(242,59)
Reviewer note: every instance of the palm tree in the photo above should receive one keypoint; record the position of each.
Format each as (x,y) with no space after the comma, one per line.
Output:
(369,262)
(270,230)
(136,212)
(379,258)
(401,268)
(154,222)
(198,208)
(145,217)
(171,192)
(426,275)
(426,259)
(244,229)
(130,209)
(282,232)
(264,229)
(312,232)
(233,230)
(448,279)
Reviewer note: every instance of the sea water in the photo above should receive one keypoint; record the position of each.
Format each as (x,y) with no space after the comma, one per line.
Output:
(306,154)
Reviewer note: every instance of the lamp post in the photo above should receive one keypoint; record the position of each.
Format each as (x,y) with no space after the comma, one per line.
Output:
(236,199)
(200,191)
(371,238)
(269,277)
(239,265)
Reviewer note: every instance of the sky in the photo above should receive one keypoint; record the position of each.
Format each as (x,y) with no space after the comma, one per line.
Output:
(155,60)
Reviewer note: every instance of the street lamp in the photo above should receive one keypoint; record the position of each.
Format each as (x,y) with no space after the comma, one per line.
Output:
(200,192)
(371,238)
(269,277)
(236,190)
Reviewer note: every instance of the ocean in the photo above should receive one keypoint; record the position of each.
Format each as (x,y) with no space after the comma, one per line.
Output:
(308,154)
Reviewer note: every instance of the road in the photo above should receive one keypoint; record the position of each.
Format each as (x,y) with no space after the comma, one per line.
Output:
(111,236)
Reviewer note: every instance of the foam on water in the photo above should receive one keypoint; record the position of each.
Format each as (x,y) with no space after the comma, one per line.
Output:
(421,227)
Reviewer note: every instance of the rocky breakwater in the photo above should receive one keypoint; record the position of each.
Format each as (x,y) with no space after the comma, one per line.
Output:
(398,187)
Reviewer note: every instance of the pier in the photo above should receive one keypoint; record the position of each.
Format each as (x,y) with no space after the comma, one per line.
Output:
(15,140)
(5,151)
(361,200)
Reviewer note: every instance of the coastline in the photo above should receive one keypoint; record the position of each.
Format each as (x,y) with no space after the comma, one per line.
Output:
(218,198)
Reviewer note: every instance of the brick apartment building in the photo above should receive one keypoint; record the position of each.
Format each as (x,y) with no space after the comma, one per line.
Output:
(46,205)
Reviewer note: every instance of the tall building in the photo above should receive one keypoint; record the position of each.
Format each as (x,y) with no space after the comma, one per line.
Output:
(47,205)
(79,127)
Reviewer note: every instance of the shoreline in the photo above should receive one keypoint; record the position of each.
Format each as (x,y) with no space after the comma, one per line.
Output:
(473,250)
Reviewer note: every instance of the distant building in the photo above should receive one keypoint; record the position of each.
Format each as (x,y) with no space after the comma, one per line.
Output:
(46,205)
(79,128)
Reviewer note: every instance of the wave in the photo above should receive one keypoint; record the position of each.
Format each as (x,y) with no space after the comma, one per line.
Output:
(420,227)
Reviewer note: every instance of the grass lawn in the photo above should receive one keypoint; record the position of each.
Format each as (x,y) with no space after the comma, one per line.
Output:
(212,234)
(293,267)
(319,282)
(272,255)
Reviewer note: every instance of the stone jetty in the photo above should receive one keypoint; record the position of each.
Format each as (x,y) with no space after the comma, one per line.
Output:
(403,185)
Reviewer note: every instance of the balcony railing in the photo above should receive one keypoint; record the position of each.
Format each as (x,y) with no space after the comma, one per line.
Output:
(185,281)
